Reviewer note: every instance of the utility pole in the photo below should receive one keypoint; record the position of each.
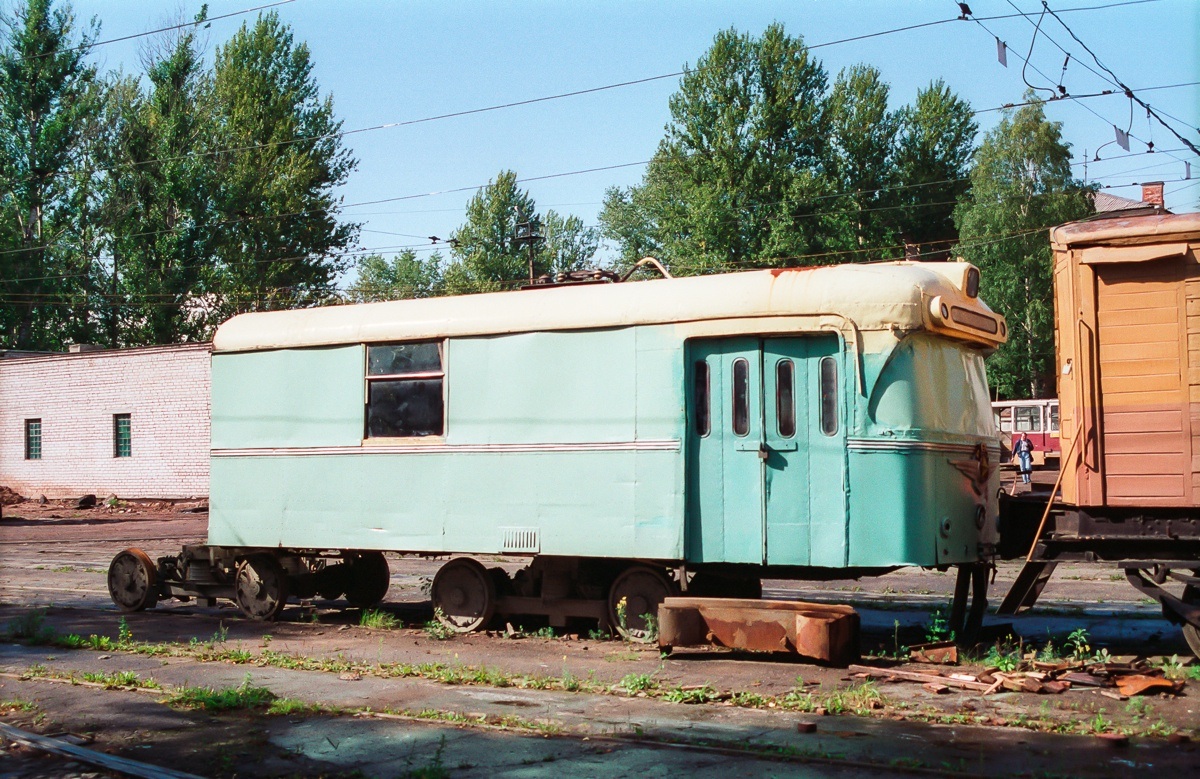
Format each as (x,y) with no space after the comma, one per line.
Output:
(527,232)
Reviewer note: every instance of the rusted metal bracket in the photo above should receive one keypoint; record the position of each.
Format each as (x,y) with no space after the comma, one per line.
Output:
(817,631)
(1174,609)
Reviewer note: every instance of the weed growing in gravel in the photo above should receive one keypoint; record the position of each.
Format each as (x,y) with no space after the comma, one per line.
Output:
(377,618)
(124,634)
(16,704)
(119,679)
(244,696)
(703,694)
(1003,656)
(938,628)
(291,707)
(438,630)
(1078,643)
(31,626)
(634,683)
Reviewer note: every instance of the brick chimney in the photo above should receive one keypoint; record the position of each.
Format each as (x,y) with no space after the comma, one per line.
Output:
(1152,192)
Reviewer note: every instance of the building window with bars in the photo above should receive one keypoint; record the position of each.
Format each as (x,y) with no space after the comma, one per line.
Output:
(122,436)
(33,439)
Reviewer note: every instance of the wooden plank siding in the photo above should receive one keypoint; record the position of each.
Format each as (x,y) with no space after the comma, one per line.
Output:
(1127,342)
(1142,305)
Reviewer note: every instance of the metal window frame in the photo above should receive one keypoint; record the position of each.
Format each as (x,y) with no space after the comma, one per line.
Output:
(829,412)
(733,421)
(779,407)
(706,414)
(117,419)
(30,454)
(414,376)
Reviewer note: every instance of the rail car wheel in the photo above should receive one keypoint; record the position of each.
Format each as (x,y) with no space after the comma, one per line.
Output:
(463,595)
(635,595)
(1191,633)
(367,580)
(261,589)
(133,581)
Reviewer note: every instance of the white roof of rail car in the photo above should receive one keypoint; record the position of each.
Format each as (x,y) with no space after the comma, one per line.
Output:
(874,296)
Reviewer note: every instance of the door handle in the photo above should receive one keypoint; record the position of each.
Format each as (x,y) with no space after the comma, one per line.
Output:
(752,446)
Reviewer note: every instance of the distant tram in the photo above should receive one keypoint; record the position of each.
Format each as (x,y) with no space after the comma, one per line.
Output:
(631,440)
(1036,418)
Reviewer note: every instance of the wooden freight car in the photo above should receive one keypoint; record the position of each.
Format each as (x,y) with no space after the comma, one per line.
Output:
(1127,329)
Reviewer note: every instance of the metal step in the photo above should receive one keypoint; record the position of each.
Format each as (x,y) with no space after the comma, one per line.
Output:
(1028,586)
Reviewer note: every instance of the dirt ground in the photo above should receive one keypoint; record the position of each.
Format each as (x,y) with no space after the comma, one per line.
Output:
(531,705)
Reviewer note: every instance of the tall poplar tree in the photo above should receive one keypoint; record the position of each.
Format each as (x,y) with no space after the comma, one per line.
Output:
(736,180)
(49,102)
(1021,186)
(159,199)
(763,164)
(485,255)
(935,139)
(282,240)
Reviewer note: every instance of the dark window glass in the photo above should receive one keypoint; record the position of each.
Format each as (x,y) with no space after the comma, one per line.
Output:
(411,407)
(700,393)
(829,396)
(1027,419)
(785,397)
(741,397)
(122,436)
(33,439)
(404,390)
(1054,419)
(395,359)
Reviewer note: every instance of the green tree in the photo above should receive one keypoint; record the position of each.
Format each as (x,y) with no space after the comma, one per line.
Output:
(404,276)
(860,155)
(1021,185)
(159,199)
(568,244)
(49,102)
(736,181)
(935,140)
(485,255)
(282,243)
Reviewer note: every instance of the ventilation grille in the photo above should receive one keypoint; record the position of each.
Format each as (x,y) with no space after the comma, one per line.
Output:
(520,539)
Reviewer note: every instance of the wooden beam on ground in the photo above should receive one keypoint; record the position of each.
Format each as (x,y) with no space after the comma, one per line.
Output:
(912,676)
(121,765)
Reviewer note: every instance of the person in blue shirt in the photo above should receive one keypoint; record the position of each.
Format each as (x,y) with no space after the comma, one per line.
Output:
(1024,452)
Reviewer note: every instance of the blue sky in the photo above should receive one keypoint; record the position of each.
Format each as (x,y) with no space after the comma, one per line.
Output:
(387,62)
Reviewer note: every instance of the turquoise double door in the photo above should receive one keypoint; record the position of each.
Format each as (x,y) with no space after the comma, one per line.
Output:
(766,451)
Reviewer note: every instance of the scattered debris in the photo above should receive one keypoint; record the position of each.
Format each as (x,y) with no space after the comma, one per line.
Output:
(912,676)
(86,502)
(9,498)
(937,653)
(1129,678)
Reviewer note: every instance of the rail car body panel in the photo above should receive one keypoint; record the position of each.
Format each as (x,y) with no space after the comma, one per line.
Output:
(845,422)
(1127,302)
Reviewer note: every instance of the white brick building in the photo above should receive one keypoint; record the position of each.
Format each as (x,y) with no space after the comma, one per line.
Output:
(126,422)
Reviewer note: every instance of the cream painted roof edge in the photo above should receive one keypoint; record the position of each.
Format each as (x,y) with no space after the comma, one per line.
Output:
(872,296)
(1133,229)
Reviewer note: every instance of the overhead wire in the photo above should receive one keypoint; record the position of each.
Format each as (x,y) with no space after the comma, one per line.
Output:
(205,21)
(786,258)
(552,97)
(562,95)
(1129,92)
